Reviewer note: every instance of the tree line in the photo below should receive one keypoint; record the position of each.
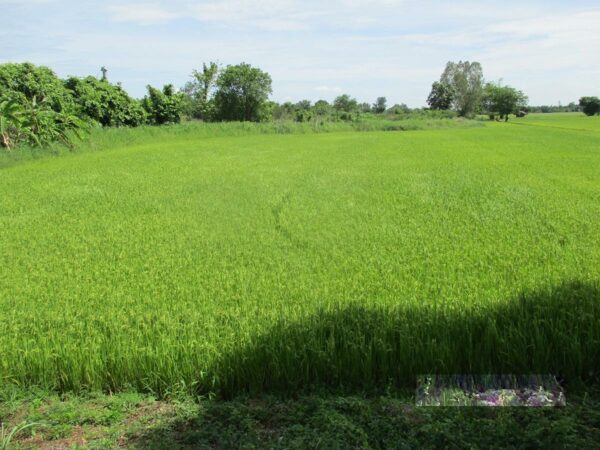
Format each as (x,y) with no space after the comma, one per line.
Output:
(462,88)
(37,107)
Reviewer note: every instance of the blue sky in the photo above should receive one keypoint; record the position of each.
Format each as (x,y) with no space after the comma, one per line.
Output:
(315,49)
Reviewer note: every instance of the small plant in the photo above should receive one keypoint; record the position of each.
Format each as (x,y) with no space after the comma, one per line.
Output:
(6,436)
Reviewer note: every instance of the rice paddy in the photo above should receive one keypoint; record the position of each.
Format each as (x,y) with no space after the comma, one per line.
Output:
(260,262)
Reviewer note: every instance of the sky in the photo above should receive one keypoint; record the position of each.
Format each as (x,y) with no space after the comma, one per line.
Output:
(315,49)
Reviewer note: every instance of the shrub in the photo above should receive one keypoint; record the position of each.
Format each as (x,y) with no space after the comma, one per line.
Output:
(106,103)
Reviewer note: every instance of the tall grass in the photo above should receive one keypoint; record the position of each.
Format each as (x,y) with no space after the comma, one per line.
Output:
(106,138)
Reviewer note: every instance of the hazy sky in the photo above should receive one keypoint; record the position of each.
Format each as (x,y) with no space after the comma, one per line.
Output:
(315,49)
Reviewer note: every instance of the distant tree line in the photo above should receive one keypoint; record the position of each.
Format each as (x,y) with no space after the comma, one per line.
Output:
(37,107)
(462,88)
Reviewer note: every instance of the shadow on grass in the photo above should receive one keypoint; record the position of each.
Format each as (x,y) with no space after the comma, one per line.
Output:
(333,367)
(358,348)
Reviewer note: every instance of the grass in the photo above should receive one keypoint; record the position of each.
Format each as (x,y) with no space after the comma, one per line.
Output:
(571,121)
(324,421)
(264,262)
(111,138)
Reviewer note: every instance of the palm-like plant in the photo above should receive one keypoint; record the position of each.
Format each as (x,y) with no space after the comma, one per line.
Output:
(11,122)
(37,124)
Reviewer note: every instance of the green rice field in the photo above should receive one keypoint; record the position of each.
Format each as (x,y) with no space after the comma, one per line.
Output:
(280,262)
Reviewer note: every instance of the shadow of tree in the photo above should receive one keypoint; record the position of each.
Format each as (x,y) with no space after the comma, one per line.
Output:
(354,349)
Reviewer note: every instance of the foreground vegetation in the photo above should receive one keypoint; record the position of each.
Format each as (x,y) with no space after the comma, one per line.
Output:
(229,265)
(325,421)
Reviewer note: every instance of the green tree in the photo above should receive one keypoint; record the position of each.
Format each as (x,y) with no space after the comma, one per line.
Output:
(106,103)
(380,105)
(242,94)
(590,105)
(163,107)
(200,92)
(466,80)
(346,107)
(322,109)
(502,100)
(303,111)
(24,82)
(441,96)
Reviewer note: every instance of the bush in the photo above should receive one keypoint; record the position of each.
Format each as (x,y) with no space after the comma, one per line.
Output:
(590,105)
(163,107)
(24,82)
(106,103)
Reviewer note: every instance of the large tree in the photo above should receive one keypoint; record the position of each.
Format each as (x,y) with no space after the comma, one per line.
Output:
(242,93)
(590,105)
(502,100)
(466,80)
(441,96)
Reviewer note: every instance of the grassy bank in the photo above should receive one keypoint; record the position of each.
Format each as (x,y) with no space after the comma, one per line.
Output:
(107,138)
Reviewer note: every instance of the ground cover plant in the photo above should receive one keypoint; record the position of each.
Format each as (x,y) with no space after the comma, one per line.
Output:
(232,264)
(324,421)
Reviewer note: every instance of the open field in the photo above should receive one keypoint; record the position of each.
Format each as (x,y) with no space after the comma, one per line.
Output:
(571,121)
(278,262)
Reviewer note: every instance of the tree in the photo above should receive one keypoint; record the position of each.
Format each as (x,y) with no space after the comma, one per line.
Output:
(303,111)
(380,105)
(466,80)
(24,82)
(590,105)
(346,107)
(200,91)
(242,93)
(365,107)
(106,103)
(502,100)
(441,96)
(322,109)
(163,107)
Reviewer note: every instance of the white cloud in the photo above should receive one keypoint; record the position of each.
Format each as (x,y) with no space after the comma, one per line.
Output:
(313,49)
(144,14)
(328,89)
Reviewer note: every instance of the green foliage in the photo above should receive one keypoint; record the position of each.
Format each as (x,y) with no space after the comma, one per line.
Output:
(163,107)
(37,124)
(590,105)
(11,127)
(200,91)
(106,103)
(380,105)
(24,82)
(360,420)
(399,109)
(441,96)
(346,107)
(242,94)
(502,100)
(465,82)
